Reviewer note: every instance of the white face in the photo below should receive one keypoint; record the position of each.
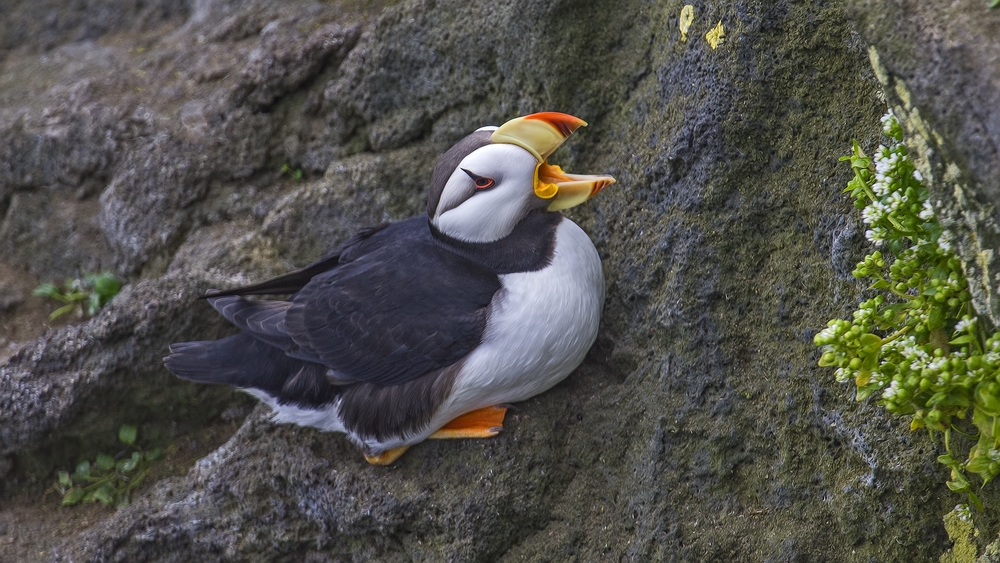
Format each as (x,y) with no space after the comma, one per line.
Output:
(476,214)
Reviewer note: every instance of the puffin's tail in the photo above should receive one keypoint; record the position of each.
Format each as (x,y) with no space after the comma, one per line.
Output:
(248,363)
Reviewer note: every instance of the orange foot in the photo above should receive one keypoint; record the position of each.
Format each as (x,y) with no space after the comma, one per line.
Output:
(386,457)
(482,423)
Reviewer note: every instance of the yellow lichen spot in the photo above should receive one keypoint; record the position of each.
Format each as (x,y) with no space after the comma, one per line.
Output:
(880,72)
(904,94)
(716,36)
(963,533)
(687,17)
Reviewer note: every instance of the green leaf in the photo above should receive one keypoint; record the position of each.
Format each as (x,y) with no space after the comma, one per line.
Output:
(62,311)
(986,401)
(983,421)
(47,290)
(64,479)
(897,307)
(975,501)
(128,434)
(83,470)
(871,360)
(964,339)
(105,493)
(869,339)
(994,3)
(937,398)
(958,483)
(935,318)
(958,397)
(979,464)
(131,463)
(866,391)
(75,296)
(107,286)
(73,497)
(104,462)
(154,455)
(950,461)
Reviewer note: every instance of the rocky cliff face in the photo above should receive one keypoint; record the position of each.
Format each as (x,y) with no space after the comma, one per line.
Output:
(162,142)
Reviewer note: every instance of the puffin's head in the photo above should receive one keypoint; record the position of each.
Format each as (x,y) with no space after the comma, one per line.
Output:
(484,185)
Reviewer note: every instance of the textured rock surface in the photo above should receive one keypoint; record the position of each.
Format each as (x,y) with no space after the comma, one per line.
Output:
(699,427)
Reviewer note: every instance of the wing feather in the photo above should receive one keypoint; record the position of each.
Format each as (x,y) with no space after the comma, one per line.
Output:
(395,313)
(387,307)
(295,280)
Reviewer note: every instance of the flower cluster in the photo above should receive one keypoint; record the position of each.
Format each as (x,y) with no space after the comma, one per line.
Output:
(916,343)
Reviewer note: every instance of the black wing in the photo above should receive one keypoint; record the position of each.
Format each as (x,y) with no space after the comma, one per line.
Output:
(295,280)
(400,307)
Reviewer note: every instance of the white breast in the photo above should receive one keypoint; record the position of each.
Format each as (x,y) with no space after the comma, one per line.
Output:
(541,326)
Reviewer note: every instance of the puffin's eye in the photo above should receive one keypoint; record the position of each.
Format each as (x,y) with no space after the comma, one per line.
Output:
(482,182)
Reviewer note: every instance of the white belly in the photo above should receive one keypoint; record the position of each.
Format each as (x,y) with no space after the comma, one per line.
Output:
(540,328)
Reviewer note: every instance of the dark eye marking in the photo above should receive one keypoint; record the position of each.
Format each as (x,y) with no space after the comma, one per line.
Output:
(482,182)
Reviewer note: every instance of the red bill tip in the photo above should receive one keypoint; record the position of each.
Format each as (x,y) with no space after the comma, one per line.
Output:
(563,122)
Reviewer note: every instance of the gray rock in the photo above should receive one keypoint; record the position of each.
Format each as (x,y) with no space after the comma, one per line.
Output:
(69,391)
(39,25)
(699,427)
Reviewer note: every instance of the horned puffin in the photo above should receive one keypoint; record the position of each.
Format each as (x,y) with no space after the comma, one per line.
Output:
(427,327)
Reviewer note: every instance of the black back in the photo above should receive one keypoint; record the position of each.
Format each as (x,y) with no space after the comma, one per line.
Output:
(401,307)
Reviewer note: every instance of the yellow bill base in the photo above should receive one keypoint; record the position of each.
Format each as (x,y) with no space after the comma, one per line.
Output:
(538,133)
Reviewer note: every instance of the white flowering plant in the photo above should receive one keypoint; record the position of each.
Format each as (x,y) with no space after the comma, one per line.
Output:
(917,344)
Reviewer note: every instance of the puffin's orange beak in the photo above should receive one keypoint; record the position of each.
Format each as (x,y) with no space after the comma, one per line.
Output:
(541,134)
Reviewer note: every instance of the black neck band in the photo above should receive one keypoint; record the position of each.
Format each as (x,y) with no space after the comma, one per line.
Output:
(528,248)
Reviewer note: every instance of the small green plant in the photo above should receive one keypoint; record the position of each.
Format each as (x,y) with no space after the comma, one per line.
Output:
(108,480)
(296,173)
(85,295)
(917,342)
